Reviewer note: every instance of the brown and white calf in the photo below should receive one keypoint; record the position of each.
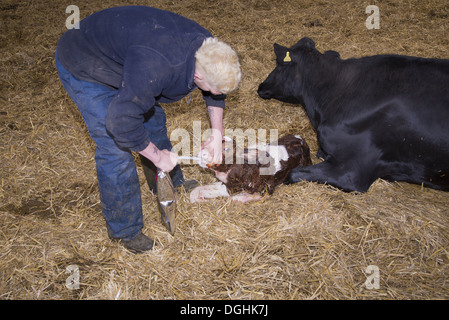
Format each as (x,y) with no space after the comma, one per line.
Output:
(246,174)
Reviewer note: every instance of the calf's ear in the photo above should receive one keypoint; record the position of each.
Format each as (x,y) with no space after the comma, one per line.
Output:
(283,55)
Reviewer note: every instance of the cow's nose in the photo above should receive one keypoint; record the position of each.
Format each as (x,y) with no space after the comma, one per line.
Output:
(263,93)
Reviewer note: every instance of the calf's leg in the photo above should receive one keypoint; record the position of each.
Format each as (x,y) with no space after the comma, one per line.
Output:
(211,191)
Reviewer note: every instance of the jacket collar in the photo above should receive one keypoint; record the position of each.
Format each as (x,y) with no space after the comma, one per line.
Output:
(194,46)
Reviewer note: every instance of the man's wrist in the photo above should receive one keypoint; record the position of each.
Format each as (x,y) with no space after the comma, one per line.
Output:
(152,153)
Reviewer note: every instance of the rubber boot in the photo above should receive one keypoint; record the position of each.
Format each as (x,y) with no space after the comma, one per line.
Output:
(139,244)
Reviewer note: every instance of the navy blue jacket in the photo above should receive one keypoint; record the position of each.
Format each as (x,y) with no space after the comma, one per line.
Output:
(147,54)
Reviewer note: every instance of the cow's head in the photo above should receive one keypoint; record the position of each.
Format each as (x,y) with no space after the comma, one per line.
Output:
(285,81)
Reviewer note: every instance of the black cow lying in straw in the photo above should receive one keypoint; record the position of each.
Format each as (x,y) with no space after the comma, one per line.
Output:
(384,116)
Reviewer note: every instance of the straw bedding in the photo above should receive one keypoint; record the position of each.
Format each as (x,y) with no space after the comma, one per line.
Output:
(307,241)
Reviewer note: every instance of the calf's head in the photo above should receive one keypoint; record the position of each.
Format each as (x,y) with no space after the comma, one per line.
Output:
(237,160)
(285,81)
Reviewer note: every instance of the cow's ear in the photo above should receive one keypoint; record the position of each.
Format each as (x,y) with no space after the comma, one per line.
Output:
(305,43)
(283,55)
(332,53)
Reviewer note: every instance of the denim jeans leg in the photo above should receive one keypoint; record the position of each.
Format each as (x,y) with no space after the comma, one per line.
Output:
(116,171)
(155,124)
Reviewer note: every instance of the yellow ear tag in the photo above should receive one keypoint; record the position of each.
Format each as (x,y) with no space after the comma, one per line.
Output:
(287,57)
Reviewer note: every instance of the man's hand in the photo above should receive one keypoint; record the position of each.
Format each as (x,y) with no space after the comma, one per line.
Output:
(163,159)
(167,160)
(213,145)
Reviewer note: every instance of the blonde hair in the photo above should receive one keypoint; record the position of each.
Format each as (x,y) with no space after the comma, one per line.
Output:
(219,65)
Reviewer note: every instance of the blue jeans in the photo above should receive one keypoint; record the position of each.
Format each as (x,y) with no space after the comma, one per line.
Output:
(116,170)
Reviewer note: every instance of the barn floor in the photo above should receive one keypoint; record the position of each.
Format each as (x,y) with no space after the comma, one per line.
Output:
(307,241)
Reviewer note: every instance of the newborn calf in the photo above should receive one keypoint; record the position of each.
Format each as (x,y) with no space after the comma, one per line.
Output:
(249,173)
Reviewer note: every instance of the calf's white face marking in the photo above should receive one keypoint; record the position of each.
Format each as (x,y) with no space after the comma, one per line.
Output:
(277,152)
(222,176)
